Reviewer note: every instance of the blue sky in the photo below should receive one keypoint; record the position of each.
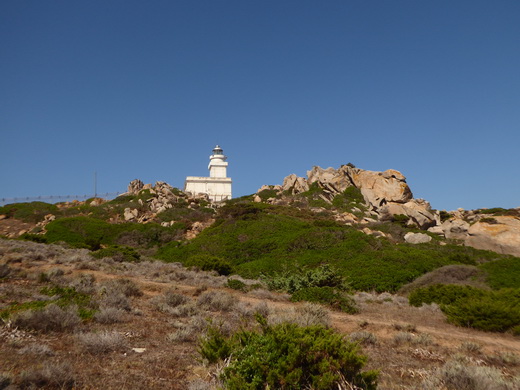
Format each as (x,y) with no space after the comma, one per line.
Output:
(135,89)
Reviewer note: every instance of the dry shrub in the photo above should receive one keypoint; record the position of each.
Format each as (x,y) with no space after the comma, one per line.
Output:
(470,347)
(4,381)
(363,338)
(125,286)
(36,349)
(262,293)
(451,274)
(50,376)
(504,359)
(99,343)
(200,385)
(405,327)
(115,299)
(109,315)
(217,301)
(84,284)
(410,338)
(51,318)
(190,331)
(308,314)
(456,375)
(5,270)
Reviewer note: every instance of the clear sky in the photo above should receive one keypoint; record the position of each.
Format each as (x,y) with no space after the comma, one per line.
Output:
(145,89)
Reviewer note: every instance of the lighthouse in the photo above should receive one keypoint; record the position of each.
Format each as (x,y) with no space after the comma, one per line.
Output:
(217,186)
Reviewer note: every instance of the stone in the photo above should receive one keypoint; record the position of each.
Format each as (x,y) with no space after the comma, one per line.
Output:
(257,199)
(295,184)
(501,237)
(417,238)
(455,229)
(378,188)
(135,186)
(130,214)
(3,216)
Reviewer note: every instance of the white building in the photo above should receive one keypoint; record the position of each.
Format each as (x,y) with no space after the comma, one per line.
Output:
(217,186)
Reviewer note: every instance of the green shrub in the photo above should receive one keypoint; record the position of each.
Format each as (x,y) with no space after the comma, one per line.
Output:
(93,233)
(118,253)
(328,296)
(495,311)
(323,276)
(401,219)
(236,284)
(33,237)
(487,313)
(267,193)
(503,273)
(210,263)
(29,212)
(444,215)
(287,356)
(443,294)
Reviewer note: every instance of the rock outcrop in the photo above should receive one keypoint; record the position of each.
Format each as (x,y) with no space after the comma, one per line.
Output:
(499,234)
(385,193)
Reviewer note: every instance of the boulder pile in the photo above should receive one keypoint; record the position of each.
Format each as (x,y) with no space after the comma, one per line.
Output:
(385,193)
(388,197)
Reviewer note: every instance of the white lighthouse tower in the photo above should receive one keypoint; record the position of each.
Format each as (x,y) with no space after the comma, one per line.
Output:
(217,186)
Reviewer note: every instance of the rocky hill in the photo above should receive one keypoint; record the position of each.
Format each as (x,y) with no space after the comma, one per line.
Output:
(388,197)
(165,289)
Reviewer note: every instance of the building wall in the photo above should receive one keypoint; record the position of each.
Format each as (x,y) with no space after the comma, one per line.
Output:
(216,188)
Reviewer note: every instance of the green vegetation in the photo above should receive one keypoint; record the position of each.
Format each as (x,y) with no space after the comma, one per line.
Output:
(118,253)
(495,311)
(287,356)
(92,233)
(236,284)
(265,240)
(64,297)
(29,212)
(503,273)
(326,295)
(210,263)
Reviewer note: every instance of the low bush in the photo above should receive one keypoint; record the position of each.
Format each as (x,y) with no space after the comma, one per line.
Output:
(109,315)
(29,212)
(495,311)
(326,295)
(287,356)
(236,284)
(103,342)
(443,294)
(324,276)
(456,375)
(52,318)
(210,263)
(50,376)
(363,337)
(118,253)
(216,301)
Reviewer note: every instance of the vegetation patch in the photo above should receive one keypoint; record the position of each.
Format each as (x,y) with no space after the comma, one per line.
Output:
(328,296)
(495,311)
(118,253)
(29,212)
(287,356)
